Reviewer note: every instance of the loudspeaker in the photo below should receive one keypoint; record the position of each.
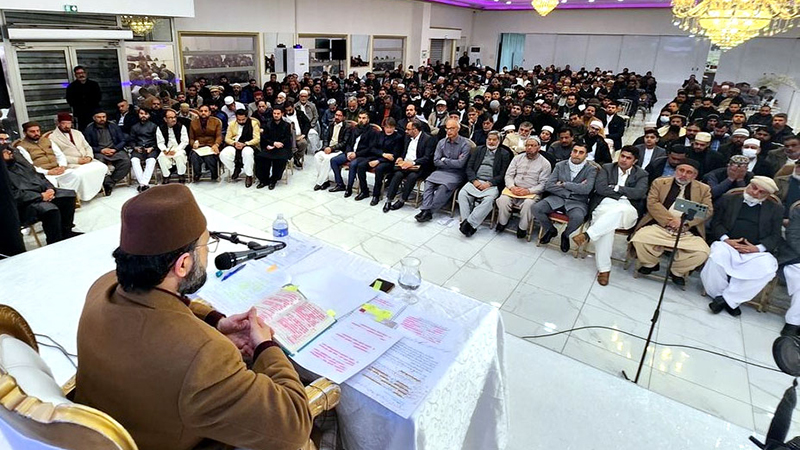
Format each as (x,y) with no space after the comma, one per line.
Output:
(339,49)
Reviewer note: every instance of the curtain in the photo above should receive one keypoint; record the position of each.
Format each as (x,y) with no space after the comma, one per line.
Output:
(512,50)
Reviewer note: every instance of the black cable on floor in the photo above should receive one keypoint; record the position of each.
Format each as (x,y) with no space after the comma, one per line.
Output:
(653,342)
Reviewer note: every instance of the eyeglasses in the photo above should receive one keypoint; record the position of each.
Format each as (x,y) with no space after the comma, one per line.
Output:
(212,245)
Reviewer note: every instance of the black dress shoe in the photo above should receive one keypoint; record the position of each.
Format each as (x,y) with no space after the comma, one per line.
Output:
(326,185)
(521,234)
(145,187)
(397,205)
(717,305)
(196,178)
(235,175)
(679,281)
(466,229)
(248,181)
(374,201)
(261,185)
(425,216)
(317,187)
(362,195)
(272,186)
(337,188)
(500,227)
(107,188)
(790,330)
(347,193)
(564,243)
(735,312)
(165,180)
(387,207)
(548,236)
(648,270)
(182,179)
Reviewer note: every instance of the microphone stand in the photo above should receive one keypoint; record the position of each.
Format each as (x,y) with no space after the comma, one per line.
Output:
(234,237)
(685,217)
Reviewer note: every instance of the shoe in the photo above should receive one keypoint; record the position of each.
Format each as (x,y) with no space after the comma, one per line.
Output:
(139,188)
(317,187)
(165,180)
(397,205)
(735,312)
(564,243)
(182,179)
(790,330)
(387,207)
(466,229)
(235,174)
(522,234)
(602,278)
(248,181)
(298,166)
(717,305)
(214,179)
(580,239)
(145,187)
(374,201)
(548,236)
(107,188)
(648,270)
(679,281)
(272,186)
(362,195)
(337,188)
(326,185)
(347,193)
(500,227)
(424,216)
(261,185)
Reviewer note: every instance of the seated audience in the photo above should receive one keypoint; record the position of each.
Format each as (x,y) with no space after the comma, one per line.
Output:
(733,145)
(649,150)
(142,142)
(242,139)
(786,155)
(789,260)
(745,232)
(172,140)
(757,160)
(779,129)
(596,145)
(656,231)
(707,160)
(37,199)
(734,176)
(562,149)
(387,146)
(568,188)
(301,127)
(450,160)
(515,141)
(788,181)
(80,157)
(334,141)
(205,134)
(276,151)
(525,181)
(415,163)
(620,190)
(356,152)
(486,169)
(108,144)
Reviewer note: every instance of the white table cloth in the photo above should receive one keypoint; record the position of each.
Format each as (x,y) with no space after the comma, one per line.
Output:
(466,409)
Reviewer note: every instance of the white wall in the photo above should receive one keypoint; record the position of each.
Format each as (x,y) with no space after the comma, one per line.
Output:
(172,8)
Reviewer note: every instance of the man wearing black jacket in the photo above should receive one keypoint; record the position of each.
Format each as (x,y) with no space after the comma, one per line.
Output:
(701,153)
(486,169)
(37,199)
(356,152)
(11,242)
(415,163)
(386,148)
(276,150)
(108,144)
(615,125)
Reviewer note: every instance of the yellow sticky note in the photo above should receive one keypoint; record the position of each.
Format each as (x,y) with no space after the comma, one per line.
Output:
(291,288)
(331,313)
(378,285)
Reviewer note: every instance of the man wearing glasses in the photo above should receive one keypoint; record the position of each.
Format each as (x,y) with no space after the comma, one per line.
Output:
(449,160)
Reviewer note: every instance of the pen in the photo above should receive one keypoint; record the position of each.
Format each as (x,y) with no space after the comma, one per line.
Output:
(228,275)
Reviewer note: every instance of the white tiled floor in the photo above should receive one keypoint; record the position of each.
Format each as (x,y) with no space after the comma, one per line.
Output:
(539,291)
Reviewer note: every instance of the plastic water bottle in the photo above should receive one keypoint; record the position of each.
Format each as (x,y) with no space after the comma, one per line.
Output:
(280,227)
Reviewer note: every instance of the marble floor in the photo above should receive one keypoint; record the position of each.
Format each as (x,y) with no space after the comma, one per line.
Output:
(538,291)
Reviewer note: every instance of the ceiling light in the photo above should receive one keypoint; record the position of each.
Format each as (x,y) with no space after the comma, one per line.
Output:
(508,2)
(140,25)
(544,7)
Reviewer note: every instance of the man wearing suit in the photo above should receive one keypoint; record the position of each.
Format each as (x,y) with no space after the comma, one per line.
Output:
(486,170)
(562,149)
(620,188)
(788,154)
(205,134)
(649,150)
(706,159)
(747,231)
(358,148)
(666,165)
(789,261)
(386,149)
(449,159)
(188,384)
(569,186)
(615,125)
(656,230)
(127,116)
(108,143)
(416,163)
(334,141)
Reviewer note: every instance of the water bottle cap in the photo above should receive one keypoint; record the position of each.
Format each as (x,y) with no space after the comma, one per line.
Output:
(280,215)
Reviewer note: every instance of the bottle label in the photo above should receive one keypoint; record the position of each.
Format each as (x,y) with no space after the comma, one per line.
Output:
(280,232)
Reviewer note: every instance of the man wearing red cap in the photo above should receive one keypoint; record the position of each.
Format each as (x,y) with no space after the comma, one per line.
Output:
(170,370)
(80,157)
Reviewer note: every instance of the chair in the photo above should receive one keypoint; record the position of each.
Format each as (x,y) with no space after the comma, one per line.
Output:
(34,411)
(514,209)
(559,219)
(31,227)
(582,251)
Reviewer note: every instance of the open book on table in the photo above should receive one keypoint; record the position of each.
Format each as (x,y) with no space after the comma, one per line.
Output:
(295,321)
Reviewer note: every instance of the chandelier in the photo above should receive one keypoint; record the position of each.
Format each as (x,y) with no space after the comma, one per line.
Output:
(140,25)
(728,23)
(544,7)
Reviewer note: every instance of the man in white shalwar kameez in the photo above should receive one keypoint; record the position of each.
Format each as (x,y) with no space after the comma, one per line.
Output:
(90,172)
(747,229)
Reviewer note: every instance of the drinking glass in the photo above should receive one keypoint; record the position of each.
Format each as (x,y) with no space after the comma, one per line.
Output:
(409,279)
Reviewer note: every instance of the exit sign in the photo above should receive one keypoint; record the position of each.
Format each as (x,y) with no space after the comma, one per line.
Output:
(71,8)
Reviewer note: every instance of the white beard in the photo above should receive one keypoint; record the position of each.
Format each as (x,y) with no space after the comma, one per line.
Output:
(749,200)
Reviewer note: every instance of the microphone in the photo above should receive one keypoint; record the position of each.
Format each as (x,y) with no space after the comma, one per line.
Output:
(228,260)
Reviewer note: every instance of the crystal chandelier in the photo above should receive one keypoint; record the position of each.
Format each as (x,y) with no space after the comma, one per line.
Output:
(728,23)
(140,25)
(544,7)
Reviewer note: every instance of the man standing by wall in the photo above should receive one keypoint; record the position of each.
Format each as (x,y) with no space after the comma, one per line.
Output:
(83,96)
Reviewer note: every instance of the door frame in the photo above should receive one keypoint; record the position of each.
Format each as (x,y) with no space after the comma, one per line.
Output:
(70,48)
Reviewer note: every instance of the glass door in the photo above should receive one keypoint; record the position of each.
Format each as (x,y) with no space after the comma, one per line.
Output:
(102,65)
